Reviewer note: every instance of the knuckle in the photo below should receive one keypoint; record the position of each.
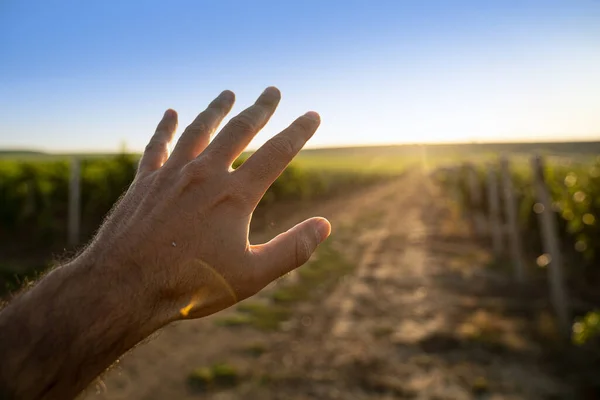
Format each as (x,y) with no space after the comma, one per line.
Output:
(163,126)
(196,128)
(194,171)
(304,124)
(155,145)
(243,123)
(303,251)
(281,146)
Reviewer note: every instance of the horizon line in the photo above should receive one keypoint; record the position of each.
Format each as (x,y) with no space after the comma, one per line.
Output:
(11,149)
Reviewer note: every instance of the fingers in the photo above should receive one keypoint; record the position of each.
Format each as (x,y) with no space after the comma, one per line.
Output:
(268,162)
(238,132)
(289,250)
(157,151)
(196,136)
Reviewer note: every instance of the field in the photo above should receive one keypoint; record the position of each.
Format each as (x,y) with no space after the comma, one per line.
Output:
(403,301)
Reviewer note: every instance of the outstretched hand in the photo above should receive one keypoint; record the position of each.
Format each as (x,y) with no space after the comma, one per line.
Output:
(180,234)
(176,246)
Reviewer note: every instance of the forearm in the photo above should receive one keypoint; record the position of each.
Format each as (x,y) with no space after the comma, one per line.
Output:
(61,334)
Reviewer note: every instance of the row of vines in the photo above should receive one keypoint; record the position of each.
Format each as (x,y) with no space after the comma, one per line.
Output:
(575,191)
(34,201)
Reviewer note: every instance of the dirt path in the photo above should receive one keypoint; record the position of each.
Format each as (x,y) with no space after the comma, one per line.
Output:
(419,317)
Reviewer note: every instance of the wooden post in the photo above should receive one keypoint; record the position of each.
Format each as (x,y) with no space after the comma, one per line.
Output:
(547,220)
(514,236)
(74,203)
(476,200)
(494,211)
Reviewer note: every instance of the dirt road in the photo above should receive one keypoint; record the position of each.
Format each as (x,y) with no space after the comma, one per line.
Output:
(419,316)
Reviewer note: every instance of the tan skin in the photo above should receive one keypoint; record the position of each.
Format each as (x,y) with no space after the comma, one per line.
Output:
(175,247)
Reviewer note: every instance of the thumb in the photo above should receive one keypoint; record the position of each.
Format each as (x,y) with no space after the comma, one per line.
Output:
(289,250)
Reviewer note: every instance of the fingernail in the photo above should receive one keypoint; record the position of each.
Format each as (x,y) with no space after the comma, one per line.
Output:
(323,229)
(170,113)
(313,115)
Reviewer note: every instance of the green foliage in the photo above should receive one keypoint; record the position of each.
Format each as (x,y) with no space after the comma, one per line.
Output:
(217,376)
(255,349)
(586,328)
(235,320)
(263,316)
(34,195)
(575,192)
(34,190)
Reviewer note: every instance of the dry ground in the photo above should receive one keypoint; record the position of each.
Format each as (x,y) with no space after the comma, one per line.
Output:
(409,309)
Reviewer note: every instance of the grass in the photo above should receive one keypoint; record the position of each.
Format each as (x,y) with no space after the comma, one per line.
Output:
(360,164)
(319,274)
(263,316)
(255,349)
(217,376)
(234,320)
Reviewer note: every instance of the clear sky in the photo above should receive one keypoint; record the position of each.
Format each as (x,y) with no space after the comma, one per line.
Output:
(88,75)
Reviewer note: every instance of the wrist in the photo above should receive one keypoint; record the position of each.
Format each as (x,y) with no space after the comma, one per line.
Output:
(120,291)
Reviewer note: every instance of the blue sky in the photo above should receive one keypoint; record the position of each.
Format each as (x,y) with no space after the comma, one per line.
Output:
(91,75)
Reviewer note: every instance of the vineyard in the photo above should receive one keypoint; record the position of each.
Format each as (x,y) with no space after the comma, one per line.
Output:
(574,188)
(411,299)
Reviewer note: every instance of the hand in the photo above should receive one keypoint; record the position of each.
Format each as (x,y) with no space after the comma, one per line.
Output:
(175,247)
(179,237)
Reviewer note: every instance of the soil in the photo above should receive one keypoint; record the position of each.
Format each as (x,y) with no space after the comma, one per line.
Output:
(422,315)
